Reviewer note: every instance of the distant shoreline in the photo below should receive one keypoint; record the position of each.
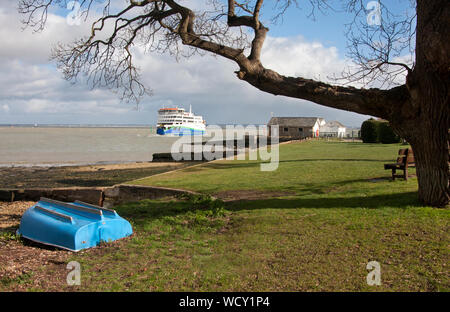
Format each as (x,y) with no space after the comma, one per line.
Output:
(108,125)
(73,126)
(68,164)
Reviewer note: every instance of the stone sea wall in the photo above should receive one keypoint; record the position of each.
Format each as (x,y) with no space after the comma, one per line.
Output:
(102,196)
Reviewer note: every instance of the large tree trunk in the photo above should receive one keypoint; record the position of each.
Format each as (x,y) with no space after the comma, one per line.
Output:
(431,154)
(425,120)
(425,126)
(429,137)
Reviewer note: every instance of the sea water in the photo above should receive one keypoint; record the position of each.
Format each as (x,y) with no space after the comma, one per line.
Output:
(75,145)
(49,146)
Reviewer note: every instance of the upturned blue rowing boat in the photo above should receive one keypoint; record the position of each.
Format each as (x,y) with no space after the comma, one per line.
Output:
(73,226)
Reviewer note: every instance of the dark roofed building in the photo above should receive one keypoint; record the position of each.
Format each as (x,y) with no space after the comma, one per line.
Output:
(296,127)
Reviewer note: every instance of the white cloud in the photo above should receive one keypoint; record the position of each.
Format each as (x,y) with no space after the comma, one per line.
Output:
(38,106)
(30,46)
(297,57)
(34,91)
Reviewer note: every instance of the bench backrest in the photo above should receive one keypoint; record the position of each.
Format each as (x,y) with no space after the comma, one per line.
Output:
(410,157)
(405,156)
(402,155)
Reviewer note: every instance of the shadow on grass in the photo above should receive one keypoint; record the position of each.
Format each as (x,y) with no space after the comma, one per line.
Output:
(306,188)
(29,243)
(9,230)
(140,213)
(399,200)
(9,233)
(146,210)
(326,188)
(251,164)
(361,144)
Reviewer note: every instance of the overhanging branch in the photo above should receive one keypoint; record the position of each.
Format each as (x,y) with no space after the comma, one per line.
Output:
(108,62)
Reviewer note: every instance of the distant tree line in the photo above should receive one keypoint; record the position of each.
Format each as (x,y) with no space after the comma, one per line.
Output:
(378,131)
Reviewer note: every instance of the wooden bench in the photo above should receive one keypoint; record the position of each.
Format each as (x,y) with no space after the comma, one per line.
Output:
(405,159)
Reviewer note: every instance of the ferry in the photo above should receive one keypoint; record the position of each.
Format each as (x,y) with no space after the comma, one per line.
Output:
(177,122)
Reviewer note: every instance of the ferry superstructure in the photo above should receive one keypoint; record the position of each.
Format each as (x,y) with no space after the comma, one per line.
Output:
(177,122)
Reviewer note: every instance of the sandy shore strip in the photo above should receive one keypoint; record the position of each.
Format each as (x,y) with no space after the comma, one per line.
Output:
(87,175)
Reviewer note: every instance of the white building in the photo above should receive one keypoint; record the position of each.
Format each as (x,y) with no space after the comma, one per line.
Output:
(333,129)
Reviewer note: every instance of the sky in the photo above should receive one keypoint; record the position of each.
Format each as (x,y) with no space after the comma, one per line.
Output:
(32,90)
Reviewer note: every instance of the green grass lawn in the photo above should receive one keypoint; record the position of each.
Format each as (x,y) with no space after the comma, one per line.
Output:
(306,169)
(325,213)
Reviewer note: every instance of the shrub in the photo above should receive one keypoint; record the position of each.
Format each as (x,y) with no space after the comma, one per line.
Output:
(386,134)
(369,131)
(215,207)
(374,131)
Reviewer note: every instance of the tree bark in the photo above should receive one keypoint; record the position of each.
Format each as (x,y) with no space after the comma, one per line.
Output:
(425,122)
(431,154)
(425,125)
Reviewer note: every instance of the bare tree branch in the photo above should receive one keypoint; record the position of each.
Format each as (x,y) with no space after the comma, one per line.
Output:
(162,25)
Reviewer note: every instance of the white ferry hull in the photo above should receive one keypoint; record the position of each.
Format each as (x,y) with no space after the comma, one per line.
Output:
(180,130)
